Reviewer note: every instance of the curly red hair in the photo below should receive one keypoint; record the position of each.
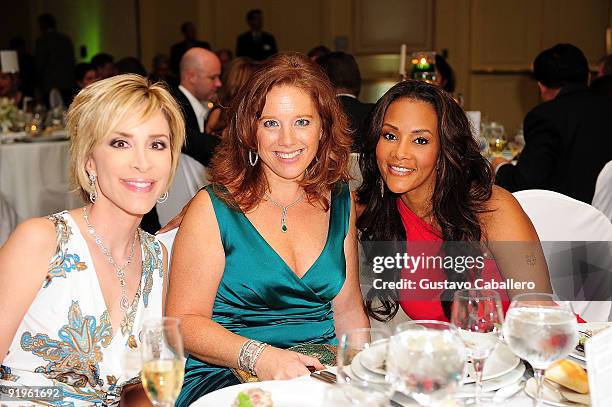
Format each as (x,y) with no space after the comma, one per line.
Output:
(241,185)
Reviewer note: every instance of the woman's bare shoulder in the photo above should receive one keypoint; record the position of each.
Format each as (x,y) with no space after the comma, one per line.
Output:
(504,218)
(32,241)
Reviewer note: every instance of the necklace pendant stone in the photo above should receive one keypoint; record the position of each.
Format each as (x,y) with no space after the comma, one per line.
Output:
(124,304)
(284,228)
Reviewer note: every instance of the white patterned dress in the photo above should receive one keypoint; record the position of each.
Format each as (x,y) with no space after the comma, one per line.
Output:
(66,338)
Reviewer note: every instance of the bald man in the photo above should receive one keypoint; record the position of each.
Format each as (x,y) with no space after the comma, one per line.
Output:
(200,70)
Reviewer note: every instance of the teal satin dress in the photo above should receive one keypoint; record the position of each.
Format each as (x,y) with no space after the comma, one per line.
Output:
(260,297)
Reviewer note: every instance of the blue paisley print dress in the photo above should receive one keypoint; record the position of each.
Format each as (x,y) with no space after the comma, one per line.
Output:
(66,338)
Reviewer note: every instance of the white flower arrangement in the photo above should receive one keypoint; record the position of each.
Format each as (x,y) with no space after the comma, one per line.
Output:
(7,112)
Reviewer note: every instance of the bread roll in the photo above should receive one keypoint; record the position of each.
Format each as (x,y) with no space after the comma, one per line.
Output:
(568,374)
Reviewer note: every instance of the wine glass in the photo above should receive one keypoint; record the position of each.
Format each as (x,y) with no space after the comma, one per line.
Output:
(162,356)
(540,329)
(426,360)
(362,367)
(497,138)
(478,316)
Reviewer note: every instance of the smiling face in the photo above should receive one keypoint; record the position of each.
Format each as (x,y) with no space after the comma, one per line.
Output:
(288,133)
(133,165)
(408,149)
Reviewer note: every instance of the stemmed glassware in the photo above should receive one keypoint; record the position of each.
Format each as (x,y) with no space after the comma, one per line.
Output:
(362,369)
(426,360)
(162,356)
(478,316)
(540,329)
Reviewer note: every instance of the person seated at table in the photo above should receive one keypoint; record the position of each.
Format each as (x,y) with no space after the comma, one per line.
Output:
(76,287)
(266,256)
(9,88)
(236,75)
(424,180)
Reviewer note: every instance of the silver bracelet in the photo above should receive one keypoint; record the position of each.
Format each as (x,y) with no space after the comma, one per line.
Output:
(248,355)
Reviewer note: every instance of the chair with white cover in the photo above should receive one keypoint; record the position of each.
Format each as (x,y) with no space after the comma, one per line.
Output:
(564,225)
(602,199)
(190,176)
(8,220)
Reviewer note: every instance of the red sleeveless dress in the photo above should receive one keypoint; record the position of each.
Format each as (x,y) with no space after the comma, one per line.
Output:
(421,301)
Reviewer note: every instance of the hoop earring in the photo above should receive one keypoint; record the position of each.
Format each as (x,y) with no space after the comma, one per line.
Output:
(251,160)
(92,183)
(163,197)
(382,187)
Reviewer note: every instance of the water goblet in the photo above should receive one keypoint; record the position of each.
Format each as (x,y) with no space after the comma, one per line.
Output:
(362,367)
(540,329)
(478,316)
(426,360)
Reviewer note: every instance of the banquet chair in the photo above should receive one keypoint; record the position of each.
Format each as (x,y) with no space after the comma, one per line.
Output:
(576,240)
(8,220)
(167,238)
(602,199)
(354,172)
(190,176)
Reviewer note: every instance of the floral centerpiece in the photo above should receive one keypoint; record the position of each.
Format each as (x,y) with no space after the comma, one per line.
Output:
(7,112)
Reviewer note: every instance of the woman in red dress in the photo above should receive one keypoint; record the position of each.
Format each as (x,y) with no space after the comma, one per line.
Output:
(426,183)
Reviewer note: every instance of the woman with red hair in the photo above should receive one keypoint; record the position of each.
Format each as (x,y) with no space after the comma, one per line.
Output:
(266,256)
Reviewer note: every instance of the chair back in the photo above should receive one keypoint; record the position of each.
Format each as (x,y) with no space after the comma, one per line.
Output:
(190,176)
(602,199)
(576,240)
(167,238)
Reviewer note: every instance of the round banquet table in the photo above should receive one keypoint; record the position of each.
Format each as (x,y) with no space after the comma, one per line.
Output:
(34,178)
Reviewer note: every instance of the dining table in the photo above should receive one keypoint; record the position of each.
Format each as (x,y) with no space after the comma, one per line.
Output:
(34,177)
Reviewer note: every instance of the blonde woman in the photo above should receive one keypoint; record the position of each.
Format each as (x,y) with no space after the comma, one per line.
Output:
(75,287)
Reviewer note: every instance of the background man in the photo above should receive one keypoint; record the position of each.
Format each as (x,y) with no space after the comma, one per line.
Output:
(255,43)
(200,71)
(568,136)
(343,72)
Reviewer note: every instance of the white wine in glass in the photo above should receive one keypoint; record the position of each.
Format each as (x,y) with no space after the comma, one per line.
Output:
(162,354)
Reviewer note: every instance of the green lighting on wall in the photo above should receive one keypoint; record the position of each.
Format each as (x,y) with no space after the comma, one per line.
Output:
(89,29)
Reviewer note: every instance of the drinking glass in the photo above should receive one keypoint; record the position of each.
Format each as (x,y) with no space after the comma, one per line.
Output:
(426,360)
(497,138)
(540,329)
(478,316)
(362,367)
(162,356)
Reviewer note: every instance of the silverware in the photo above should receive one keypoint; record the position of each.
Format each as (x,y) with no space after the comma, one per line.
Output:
(331,378)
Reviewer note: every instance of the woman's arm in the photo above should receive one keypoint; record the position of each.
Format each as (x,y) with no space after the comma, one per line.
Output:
(349,311)
(514,243)
(198,261)
(24,262)
(211,120)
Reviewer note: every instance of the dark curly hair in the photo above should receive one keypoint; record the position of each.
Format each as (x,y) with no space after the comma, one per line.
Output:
(464,182)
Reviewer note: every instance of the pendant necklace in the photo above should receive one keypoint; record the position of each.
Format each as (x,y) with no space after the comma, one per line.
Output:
(284,208)
(119,270)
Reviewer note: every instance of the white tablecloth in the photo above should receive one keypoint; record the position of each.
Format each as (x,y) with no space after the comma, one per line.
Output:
(34,178)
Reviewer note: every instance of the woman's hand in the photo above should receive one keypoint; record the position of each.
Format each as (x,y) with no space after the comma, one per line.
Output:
(280,364)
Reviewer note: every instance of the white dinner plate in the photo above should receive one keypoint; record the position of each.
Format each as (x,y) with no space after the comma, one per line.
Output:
(591,326)
(502,361)
(358,369)
(299,392)
(374,358)
(550,396)
(497,383)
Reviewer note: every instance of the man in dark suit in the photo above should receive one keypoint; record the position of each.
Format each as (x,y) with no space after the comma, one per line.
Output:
(191,40)
(200,79)
(343,72)
(255,43)
(568,136)
(200,71)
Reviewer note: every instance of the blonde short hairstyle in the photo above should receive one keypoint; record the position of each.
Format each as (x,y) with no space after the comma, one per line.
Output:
(100,108)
